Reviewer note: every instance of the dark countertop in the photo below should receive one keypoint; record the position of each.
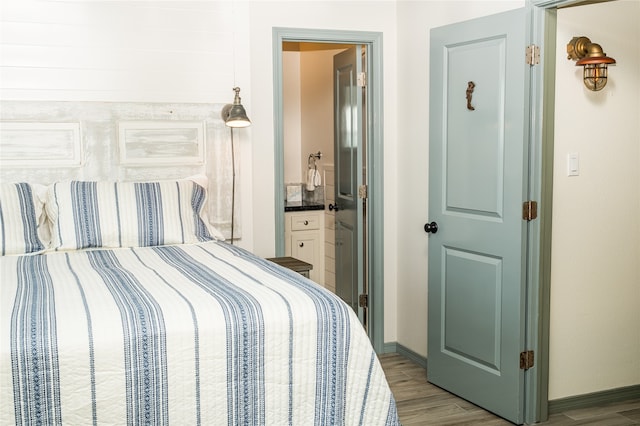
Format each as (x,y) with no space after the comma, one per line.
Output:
(299,206)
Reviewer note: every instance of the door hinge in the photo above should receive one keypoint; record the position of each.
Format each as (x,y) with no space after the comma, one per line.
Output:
(526,360)
(363,301)
(362,79)
(362,191)
(530,210)
(532,55)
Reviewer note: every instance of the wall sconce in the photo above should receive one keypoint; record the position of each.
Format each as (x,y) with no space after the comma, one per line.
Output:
(593,59)
(234,115)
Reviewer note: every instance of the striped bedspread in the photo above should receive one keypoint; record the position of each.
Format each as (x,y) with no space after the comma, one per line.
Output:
(202,334)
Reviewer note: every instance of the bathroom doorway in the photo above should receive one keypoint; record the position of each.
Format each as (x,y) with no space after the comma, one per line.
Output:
(305,134)
(324,140)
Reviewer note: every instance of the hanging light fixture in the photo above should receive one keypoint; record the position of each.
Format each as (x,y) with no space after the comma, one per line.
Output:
(593,59)
(234,115)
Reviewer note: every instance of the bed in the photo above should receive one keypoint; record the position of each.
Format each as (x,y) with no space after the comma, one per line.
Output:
(120,305)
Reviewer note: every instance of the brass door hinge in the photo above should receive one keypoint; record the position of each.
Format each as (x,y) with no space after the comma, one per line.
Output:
(362,191)
(532,55)
(362,79)
(363,301)
(530,210)
(526,360)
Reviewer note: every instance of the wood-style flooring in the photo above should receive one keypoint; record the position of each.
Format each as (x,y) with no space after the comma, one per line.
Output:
(421,403)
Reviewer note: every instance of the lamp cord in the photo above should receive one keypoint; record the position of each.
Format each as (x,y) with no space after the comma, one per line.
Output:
(233,34)
(233,184)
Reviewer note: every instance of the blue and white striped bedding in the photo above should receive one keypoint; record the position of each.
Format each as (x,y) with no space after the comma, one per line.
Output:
(20,209)
(125,214)
(201,334)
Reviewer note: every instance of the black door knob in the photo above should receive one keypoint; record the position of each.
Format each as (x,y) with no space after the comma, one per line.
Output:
(333,207)
(431,228)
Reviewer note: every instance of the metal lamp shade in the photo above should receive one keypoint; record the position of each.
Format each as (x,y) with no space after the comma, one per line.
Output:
(595,63)
(234,115)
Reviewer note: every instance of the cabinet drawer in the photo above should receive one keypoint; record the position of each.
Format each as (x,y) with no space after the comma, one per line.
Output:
(306,222)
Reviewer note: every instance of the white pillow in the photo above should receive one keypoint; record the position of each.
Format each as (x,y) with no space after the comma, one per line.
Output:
(125,214)
(20,213)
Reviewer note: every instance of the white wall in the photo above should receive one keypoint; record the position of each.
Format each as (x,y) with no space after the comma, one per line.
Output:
(317,106)
(308,110)
(121,51)
(147,52)
(595,279)
(292,111)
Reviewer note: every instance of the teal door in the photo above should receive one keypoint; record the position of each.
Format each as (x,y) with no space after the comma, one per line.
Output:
(348,137)
(477,186)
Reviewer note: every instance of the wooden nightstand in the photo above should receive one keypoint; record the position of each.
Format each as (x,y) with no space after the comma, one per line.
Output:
(294,264)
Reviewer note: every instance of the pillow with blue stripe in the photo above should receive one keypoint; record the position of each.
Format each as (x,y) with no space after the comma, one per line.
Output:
(20,213)
(87,214)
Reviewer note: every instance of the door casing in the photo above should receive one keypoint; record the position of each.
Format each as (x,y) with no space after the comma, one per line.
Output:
(375,217)
(542,14)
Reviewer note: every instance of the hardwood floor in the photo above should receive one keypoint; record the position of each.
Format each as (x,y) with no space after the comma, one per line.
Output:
(421,403)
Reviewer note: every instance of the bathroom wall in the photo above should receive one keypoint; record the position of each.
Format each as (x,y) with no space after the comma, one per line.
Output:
(308,110)
(292,123)
(317,105)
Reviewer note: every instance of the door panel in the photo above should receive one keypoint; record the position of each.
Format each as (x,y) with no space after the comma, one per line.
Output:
(472,331)
(477,184)
(347,271)
(475,150)
(348,176)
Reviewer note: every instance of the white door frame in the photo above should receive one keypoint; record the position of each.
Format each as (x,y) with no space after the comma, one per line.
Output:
(375,207)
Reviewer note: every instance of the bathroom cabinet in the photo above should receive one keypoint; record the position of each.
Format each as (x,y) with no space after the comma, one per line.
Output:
(304,240)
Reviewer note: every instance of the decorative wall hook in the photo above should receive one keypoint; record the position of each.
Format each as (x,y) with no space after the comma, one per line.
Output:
(470,86)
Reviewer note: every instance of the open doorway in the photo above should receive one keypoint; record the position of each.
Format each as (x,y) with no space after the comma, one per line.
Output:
(314,148)
(324,100)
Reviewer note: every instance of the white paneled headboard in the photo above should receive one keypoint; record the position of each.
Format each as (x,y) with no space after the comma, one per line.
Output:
(43,142)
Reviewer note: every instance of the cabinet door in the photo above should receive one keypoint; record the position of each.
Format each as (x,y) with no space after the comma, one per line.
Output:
(306,247)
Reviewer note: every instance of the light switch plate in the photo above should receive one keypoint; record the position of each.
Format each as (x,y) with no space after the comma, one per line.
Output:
(573,164)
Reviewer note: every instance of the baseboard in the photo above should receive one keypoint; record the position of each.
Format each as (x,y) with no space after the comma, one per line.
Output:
(395,347)
(555,406)
(595,398)
(390,348)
